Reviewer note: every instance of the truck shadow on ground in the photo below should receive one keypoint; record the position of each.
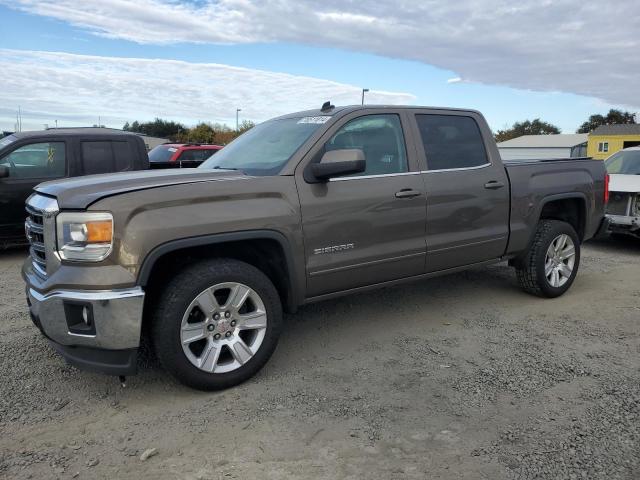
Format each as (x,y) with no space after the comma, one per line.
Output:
(622,244)
(338,327)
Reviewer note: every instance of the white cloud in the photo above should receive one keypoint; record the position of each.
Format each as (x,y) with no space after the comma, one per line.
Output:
(454,80)
(564,45)
(78,88)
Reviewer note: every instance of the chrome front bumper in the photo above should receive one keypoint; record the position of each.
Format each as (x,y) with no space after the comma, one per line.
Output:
(116,317)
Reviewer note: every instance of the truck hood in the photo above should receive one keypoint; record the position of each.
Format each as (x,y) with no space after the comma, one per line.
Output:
(624,183)
(80,192)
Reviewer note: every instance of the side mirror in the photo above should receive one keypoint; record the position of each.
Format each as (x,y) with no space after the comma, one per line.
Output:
(337,163)
(4,171)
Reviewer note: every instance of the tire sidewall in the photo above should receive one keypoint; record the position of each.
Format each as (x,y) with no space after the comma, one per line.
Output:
(557,228)
(182,291)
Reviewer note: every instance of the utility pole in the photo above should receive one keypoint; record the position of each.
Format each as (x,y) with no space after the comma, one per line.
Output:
(238,110)
(364,90)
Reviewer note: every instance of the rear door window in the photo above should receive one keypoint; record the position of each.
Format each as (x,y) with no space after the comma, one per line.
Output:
(451,142)
(106,156)
(97,157)
(124,156)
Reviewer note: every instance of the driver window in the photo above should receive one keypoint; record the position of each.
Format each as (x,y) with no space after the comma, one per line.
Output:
(36,160)
(379,137)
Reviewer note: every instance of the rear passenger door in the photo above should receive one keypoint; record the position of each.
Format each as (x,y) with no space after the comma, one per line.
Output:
(467,190)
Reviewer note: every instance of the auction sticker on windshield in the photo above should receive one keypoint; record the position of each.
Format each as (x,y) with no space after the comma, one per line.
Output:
(317,120)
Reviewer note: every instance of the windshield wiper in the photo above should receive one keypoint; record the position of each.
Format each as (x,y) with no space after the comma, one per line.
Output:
(218,167)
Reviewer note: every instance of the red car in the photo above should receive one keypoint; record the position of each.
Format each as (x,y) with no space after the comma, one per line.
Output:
(180,154)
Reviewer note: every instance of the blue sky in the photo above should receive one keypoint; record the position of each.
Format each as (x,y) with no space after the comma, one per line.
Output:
(406,77)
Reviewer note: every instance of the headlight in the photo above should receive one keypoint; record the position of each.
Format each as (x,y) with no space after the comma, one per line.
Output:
(84,236)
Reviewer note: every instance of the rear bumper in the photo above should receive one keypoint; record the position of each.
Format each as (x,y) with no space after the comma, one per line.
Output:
(624,221)
(603,229)
(625,224)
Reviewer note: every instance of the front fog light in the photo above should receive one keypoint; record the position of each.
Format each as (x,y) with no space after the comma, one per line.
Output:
(84,236)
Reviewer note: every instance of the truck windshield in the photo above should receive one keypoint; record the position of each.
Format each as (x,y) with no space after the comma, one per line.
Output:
(162,153)
(267,147)
(624,162)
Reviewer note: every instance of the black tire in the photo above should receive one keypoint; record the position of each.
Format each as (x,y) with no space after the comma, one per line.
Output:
(531,269)
(176,297)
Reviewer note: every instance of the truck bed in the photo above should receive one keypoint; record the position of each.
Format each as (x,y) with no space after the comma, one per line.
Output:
(536,182)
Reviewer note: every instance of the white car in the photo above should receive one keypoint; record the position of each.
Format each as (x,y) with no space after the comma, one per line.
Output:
(623,209)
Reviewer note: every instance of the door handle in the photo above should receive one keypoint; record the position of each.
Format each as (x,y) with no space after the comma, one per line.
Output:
(408,193)
(493,185)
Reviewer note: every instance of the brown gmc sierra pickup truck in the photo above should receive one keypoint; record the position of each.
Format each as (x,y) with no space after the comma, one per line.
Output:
(301,208)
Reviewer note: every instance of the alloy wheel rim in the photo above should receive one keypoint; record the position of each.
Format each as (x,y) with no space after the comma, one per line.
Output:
(223,327)
(560,260)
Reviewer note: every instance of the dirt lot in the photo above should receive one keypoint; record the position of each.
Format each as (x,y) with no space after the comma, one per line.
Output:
(458,377)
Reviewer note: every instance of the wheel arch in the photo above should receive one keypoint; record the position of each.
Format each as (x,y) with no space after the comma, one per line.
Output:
(267,250)
(567,207)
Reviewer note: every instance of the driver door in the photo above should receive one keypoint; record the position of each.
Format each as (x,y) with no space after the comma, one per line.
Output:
(28,165)
(365,228)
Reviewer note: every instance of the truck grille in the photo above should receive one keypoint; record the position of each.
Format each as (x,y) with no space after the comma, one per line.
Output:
(618,203)
(34,228)
(40,222)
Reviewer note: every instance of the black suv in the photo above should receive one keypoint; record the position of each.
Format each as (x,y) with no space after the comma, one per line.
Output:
(30,158)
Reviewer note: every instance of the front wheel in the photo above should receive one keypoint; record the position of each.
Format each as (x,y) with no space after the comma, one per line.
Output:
(216,324)
(551,263)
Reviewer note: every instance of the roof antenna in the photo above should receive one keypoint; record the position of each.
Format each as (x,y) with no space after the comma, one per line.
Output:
(326,106)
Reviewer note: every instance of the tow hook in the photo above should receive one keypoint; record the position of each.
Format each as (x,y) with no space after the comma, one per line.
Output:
(123,381)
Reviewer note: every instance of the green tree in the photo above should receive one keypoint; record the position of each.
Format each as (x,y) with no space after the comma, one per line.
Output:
(225,134)
(201,133)
(245,125)
(156,128)
(614,117)
(528,127)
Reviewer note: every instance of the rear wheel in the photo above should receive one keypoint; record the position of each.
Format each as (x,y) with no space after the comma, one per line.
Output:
(216,324)
(551,264)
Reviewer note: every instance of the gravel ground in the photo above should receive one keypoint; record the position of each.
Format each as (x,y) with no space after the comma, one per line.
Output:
(461,377)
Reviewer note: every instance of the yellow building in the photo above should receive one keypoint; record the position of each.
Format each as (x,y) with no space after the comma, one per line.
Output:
(608,139)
